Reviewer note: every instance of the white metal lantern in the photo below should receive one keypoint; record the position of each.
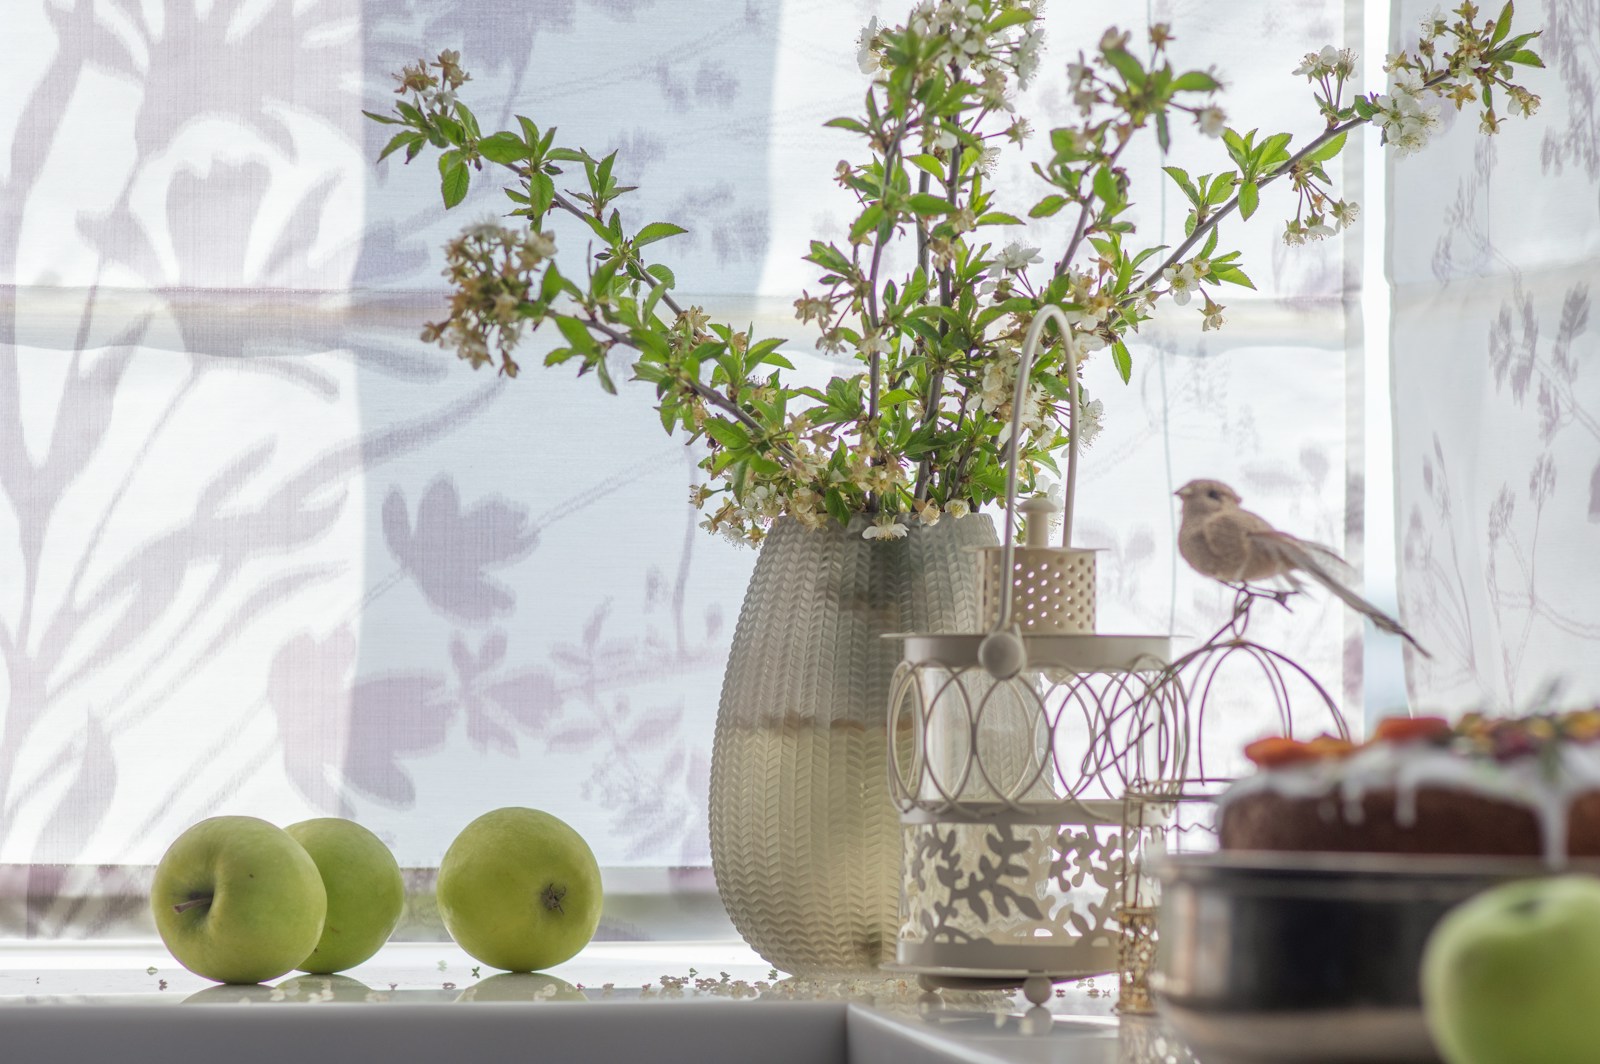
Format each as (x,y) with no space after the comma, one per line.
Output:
(1012,750)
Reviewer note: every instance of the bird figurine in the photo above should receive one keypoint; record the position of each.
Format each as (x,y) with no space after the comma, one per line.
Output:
(1235,546)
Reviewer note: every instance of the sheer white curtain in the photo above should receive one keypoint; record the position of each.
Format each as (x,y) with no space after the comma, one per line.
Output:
(1495,255)
(262,551)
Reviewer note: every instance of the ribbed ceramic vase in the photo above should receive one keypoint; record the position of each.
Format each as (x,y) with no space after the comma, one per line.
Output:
(804,839)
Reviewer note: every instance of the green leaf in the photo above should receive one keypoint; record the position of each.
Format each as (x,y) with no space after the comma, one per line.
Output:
(854,125)
(603,371)
(1126,65)
(828,257)
(1272,152)
(543,193)
(1502,25)
(1525,57)
(652,299)
(400,140)
(1328,150)
(1105,186)
(1232,275)
(576,332)
(552,284)
(1048,206)
(1163,132)
(567,155)
(1011,17)
(503,148)
(928,164)
(867,222)
(1221,189)
(452,129)
(453,184)
(1249,199)
(999,218)
(385,119)
(657,231)
(1181,176)
(925,204)
(662,274)
(1195,81)
(837,507)
(1123,361)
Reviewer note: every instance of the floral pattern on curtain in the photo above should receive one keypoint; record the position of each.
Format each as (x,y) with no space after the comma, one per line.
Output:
(262,551)
(1497,389)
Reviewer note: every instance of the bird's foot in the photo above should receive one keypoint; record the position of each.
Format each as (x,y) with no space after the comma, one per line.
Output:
(1250,592)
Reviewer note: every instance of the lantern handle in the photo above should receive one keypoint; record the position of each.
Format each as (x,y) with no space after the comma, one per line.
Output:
(1048,313)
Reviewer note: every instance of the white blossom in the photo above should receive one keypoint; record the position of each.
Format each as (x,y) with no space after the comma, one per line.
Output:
(885,527)
(1017,257)
(541,244)
(866,55)
(1182,282)
(1344,213)
(1211,120)
(1090,418)
(957,508)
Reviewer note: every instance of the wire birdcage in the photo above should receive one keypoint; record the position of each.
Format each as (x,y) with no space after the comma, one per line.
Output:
(1179,815)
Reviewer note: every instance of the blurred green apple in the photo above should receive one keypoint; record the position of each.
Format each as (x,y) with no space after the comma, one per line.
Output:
(365,892)
(238,900)
(519,889)
(1513,975)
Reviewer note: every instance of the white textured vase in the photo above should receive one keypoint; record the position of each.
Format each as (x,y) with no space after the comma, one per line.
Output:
(804,839)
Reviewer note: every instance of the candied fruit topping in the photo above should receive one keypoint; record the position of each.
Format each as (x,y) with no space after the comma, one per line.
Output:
(1412,729)
(1276,751)
(1474,735)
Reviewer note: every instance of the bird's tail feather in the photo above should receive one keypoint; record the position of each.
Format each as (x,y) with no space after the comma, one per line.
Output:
(1308,558)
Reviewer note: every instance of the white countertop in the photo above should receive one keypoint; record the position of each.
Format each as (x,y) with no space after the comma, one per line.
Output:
(81,1002)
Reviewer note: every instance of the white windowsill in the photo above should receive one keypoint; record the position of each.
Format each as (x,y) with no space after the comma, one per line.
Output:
(98,1001)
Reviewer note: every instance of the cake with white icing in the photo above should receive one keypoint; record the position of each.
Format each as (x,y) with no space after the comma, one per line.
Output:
(1526,786)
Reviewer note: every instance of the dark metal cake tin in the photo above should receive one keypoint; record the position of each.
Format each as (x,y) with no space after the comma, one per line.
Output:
(1284,958)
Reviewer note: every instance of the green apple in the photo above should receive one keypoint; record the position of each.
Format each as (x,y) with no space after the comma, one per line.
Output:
(365,892)
(522,986)
(1513,975)
(238,900)
(519,889)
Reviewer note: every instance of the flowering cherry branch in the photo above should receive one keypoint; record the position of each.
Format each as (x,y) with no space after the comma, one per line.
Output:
(916,430)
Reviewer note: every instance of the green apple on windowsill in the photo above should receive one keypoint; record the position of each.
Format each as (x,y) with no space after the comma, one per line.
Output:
(366,894)
(519,889)
(238,900)
(1513,975)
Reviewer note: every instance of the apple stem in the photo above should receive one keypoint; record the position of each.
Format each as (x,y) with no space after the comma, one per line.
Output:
(552,896)
(192,903)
